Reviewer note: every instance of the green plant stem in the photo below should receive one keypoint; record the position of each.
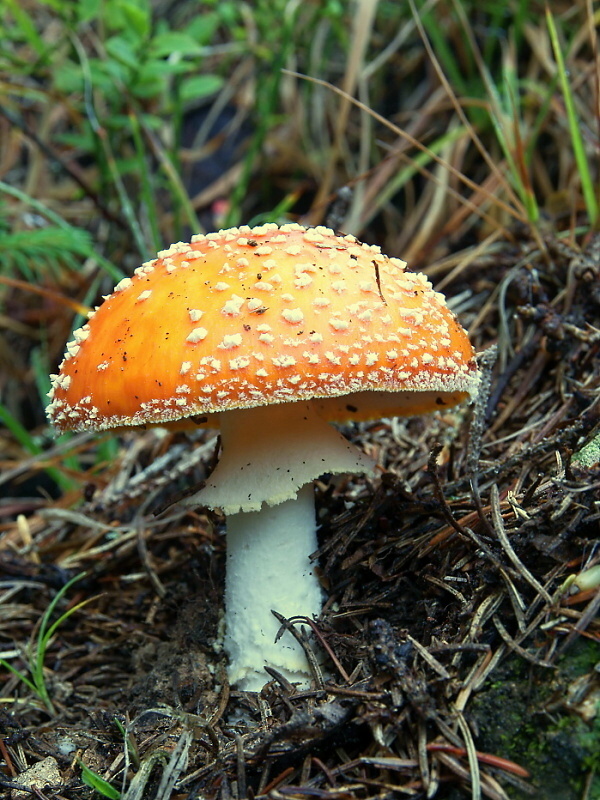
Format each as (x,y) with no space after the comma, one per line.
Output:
(177,187)
(102,137)
(587,183)
(146,186)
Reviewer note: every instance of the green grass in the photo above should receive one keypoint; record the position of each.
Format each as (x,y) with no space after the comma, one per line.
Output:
(97,783)
(517,106)
(60,243)
(589,183)
(35,678)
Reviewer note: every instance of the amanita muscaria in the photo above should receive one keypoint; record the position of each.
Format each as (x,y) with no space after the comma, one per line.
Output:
(269,334)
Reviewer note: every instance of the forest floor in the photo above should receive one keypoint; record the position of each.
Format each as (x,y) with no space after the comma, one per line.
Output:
(460,651)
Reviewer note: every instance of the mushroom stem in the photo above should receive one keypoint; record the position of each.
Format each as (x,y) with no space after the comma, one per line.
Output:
(268,567)
(263,482)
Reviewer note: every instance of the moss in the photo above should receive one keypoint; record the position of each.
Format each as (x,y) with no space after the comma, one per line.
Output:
(530,716)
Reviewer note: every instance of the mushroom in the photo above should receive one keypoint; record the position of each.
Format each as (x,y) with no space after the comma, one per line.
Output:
(267,333)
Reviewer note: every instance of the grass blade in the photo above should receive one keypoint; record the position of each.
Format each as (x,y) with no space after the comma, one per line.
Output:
(94,781)
(583,167)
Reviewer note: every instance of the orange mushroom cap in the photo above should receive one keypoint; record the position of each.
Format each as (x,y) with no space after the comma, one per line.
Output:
(255,316)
